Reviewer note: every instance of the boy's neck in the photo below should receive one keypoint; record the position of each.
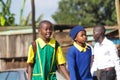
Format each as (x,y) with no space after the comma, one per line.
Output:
(46,40)
(101,39)
(81,44)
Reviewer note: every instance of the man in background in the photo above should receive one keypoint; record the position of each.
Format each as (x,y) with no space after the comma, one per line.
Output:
(106,60)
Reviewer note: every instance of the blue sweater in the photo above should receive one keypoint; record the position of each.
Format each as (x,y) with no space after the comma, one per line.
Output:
(79,63)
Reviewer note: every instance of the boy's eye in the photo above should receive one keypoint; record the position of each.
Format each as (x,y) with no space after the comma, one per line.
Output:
(96,32)
(50,29)
(81,35)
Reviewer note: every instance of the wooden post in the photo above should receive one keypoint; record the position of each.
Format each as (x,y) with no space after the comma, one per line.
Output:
(7,46)
(117,5)
(2,65)
(33,19)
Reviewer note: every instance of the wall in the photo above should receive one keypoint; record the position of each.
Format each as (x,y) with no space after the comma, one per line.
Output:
(14,46)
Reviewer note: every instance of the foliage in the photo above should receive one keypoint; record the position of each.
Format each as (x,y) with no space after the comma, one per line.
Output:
(6,17)
(21,11)
(86,12)
(27,20)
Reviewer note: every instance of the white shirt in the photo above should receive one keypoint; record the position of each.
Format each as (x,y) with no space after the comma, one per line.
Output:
(90,47)
(106,55)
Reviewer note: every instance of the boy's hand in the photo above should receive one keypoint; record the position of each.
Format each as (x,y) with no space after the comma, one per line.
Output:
(64,71)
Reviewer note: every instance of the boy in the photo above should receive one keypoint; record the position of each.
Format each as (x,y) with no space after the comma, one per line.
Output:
(106,60)
(47,59)
(79,55)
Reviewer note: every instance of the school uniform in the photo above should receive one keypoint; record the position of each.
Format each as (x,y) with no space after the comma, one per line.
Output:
(46,60)
(79,60)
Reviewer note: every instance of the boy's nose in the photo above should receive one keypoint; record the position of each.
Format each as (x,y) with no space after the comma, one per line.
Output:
(49,30)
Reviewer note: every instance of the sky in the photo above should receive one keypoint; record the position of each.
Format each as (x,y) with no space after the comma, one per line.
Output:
(45,7)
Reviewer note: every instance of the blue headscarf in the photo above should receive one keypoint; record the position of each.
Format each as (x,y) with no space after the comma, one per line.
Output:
(75,30)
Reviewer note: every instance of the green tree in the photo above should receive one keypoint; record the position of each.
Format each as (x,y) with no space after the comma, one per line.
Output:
(27,20)
(86,12)
(6,17)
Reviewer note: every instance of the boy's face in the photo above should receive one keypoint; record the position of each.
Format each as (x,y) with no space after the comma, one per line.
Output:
(45,30)
(81,37)
(97,33)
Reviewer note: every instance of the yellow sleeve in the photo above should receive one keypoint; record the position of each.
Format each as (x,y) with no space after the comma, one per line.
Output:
(60,56)
(30,58)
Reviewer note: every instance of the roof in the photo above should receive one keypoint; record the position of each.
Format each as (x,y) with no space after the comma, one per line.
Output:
(108,31)
(27,30)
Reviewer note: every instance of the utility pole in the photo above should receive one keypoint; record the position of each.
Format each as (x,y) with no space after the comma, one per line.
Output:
(117,5)
(33,19)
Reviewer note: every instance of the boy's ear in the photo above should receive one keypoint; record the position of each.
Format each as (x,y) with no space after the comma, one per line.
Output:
(75,39)
(39,32)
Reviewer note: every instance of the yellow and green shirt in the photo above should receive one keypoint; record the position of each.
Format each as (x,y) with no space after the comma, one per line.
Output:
(46,60)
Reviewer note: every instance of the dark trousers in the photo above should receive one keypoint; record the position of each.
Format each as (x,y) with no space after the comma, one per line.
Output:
(95,78)
(107,75)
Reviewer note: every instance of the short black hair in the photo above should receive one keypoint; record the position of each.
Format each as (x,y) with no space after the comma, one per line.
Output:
(102,27)
(45,21)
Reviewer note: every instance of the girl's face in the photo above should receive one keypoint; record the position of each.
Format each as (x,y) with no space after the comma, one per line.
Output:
(45,30)
(81,37)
